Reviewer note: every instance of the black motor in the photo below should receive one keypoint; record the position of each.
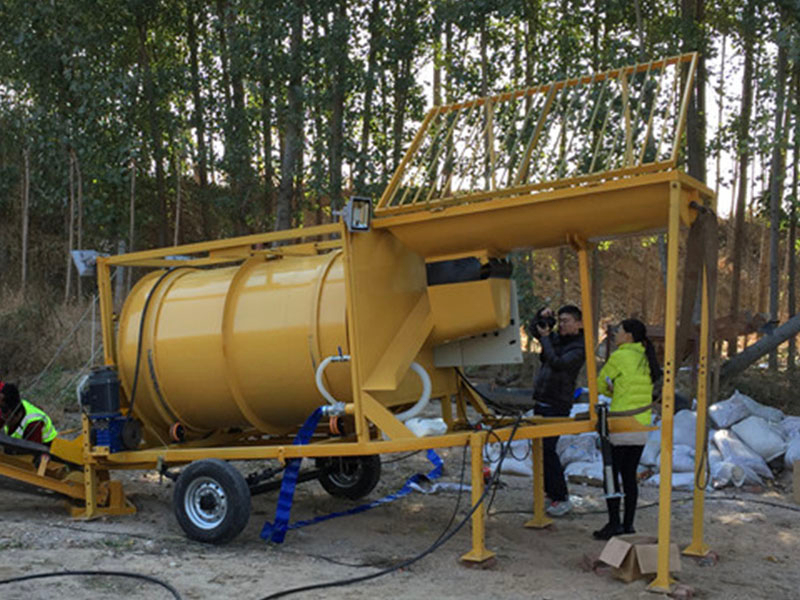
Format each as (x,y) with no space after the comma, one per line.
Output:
(100,398)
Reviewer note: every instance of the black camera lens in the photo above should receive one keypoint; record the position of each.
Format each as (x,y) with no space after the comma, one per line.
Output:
(546,322)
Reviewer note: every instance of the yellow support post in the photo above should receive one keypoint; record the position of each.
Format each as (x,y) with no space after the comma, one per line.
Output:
(588,327)
(106,310)
(540,518)
(662,581)
(698,547)
(479,552)
(89,475)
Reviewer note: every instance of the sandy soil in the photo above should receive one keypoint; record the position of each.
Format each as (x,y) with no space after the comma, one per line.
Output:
(757,544)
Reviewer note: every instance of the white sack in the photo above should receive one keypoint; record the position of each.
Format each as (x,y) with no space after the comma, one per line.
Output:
(517,460)
(651,449)
(714,455)
(580,407)
(735,451)
(792,453)
(791,428)
(684,428)
(724,473)
(426,427)
(762,437)
(682,458)
(730,411)
(588,472)
(768,413)
(578,448)
(680,481)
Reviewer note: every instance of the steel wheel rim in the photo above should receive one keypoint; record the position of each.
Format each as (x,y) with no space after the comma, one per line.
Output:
(205,503)
(347,474)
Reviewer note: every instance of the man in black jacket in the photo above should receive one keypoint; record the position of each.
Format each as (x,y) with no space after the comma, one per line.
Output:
(563,355)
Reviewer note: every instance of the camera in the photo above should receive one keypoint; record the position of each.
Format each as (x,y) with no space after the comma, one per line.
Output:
(546,322)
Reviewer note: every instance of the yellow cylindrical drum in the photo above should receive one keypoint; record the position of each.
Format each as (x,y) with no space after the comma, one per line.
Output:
(234,347)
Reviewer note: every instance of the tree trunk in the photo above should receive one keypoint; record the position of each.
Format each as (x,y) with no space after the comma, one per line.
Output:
(763,270)
(720,111)
(743,149)
(294,123)
(792,359)
(132,221)
(25,197)
(339,73)
(776,191)
(691,13)
(197,99)
(70,224)
(177,199)
(155,128)
(766,344)
(369,89)
(79,197)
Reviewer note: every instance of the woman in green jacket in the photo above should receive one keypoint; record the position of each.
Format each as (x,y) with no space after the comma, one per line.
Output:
(628,377)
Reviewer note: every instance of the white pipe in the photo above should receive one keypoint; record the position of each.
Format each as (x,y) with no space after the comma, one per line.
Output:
(423,399)
(321,369)
(79,388)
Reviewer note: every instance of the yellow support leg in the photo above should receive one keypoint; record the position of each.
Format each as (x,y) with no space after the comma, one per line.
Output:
(588,324)
(540,518)
(479,553)
(698,547)
(662,581)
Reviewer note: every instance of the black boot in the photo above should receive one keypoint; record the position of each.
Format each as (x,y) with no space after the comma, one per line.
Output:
(607,532)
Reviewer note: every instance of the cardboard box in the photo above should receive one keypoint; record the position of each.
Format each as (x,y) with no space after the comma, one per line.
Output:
(796,481)
(634,556)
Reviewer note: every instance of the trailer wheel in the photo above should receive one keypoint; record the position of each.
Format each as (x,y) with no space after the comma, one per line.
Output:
(211,501)
(350,477)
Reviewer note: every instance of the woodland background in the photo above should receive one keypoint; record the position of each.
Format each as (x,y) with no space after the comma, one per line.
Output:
(142,123)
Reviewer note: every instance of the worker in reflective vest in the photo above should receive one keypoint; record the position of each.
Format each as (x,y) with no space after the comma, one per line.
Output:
(23,420)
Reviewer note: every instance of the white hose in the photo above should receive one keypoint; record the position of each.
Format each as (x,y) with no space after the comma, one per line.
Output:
(321,369)
(423,399)
(403,416)
(79,388)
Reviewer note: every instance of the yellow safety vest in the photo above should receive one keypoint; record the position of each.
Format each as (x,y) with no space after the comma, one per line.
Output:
(32,415)
(627,368)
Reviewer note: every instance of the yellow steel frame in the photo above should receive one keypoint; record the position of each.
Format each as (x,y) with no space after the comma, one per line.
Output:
(390,319)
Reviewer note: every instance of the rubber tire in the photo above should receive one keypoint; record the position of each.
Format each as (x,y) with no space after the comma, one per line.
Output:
(213,480)
(361,475)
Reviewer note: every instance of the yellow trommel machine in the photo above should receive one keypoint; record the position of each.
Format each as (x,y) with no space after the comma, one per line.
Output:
(223,350)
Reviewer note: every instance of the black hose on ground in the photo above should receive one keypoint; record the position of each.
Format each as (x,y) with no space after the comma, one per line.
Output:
(443,538)
(147,578)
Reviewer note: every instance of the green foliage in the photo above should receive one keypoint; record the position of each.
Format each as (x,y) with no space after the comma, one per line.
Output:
(522,274)
(110,81)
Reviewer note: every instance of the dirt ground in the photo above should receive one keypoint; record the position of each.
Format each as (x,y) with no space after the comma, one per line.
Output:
(757,544)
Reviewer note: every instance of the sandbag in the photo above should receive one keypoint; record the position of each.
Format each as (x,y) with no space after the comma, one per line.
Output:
(727,412)
(684,428)
(682,458)
(725,473)
(791,428)
(426,427)
(680,481)
(517,460)
(585,472)
(768,413)
(578,448)
(761,437)
(651,449)
(792,453)
(735,451)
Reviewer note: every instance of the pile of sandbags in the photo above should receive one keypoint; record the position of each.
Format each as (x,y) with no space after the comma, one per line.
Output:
(744,438)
